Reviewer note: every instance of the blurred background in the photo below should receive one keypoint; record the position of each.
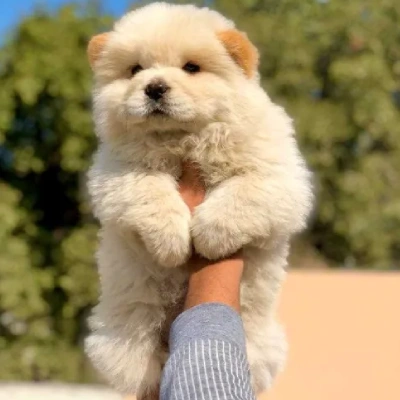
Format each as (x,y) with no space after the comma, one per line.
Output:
(335,66)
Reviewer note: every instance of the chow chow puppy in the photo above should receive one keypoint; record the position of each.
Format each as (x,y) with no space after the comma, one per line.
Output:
(177,83)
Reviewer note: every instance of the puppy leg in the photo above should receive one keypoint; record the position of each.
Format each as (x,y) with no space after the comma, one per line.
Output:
(233,215)
(129,356)
(147,205)
(266,351)
(249,209)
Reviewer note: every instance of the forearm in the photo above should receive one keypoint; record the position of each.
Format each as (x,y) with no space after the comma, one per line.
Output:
(207,341)
(208,356)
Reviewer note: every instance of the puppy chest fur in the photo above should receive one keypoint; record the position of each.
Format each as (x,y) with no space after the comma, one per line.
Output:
(218,153)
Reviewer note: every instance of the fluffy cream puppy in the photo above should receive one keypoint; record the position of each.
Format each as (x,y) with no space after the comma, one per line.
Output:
(175,83)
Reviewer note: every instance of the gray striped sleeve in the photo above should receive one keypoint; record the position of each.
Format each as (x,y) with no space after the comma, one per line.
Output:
(208,356)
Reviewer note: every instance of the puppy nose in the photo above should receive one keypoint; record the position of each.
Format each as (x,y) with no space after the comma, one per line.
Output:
(156,90)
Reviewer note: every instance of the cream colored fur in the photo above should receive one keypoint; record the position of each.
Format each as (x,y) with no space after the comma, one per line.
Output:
(258,190)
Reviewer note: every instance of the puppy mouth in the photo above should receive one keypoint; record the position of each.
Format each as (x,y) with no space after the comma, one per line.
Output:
(159,112)
(157,108)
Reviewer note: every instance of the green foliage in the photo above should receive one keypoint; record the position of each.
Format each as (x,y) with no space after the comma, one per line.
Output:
(47,236)
(335,65)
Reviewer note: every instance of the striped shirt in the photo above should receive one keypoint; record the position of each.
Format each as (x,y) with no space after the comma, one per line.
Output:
(208,356)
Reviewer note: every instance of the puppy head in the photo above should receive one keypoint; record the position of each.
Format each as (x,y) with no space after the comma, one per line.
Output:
(169,67)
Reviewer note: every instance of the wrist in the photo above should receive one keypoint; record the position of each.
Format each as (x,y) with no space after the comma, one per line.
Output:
(216,282)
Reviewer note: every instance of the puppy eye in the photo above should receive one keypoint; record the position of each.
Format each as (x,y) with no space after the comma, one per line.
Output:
(135,69)
(191,68)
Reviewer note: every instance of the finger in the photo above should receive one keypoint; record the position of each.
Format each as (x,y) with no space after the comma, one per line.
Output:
(191,185)
(190,174)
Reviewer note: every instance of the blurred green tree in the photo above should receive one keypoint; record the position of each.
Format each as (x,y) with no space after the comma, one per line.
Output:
(47,236)
(335,65)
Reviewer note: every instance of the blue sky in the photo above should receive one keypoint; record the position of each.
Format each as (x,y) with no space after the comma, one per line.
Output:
(12,10)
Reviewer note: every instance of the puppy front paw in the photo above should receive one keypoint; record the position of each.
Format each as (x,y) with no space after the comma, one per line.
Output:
(215,236)
(174,250)
(169,242)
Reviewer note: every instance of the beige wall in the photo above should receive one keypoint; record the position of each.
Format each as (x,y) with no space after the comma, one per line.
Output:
(344,335)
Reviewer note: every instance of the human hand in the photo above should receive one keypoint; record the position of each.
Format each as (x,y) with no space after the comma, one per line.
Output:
(209,282)
(191,186)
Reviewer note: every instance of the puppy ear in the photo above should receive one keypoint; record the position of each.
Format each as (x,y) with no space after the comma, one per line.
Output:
(95,47)
(241,50)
